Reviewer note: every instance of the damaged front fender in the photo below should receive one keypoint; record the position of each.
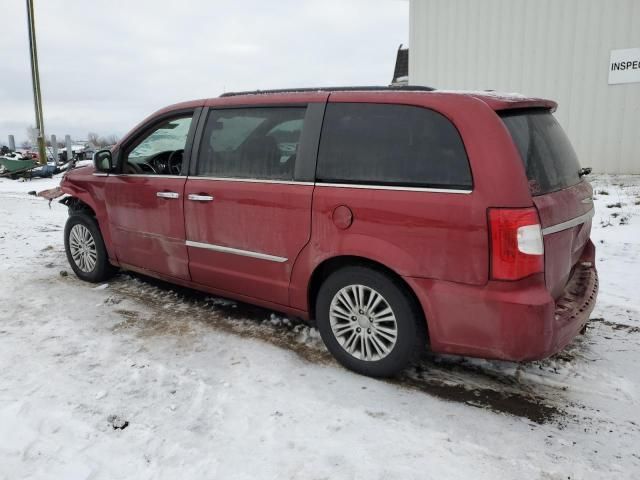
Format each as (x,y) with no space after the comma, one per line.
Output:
(76,205)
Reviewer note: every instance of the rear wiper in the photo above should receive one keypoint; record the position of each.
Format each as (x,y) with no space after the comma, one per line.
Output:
(584,171)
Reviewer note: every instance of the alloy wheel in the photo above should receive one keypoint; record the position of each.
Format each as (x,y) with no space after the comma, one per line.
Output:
(363,322)
(83,248)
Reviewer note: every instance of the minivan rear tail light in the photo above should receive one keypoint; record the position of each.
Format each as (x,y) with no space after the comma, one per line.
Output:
(517,249)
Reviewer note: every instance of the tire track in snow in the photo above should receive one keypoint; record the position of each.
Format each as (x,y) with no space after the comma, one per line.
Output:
(183,312)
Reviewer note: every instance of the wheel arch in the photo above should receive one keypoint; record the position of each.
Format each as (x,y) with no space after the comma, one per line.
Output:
(90,239)
(333,264)
(76,205)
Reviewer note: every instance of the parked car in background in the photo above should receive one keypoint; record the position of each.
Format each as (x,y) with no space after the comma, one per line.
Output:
(391,217)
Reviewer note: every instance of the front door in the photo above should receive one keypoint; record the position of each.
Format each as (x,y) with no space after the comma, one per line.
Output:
(247,212)
(145,200)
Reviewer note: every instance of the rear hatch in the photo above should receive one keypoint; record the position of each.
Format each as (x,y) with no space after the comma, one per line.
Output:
(562,197)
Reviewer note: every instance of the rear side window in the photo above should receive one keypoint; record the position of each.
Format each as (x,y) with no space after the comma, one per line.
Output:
(547,155)
(256,143)
(384,144)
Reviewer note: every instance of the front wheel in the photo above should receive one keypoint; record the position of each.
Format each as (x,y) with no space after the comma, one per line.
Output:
(85,249)
(369,322)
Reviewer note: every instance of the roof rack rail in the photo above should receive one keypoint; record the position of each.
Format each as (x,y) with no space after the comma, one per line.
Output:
(369,88)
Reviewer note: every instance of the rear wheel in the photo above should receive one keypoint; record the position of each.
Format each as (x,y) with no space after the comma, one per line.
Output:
(85,249)
(368,321)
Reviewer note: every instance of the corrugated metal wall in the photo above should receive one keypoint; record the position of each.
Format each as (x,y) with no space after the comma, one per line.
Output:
(557,49)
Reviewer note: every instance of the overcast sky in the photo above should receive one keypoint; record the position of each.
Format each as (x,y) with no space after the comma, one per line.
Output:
(106,64)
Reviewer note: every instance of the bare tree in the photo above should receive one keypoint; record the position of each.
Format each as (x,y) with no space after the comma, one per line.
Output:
(101,142)
(93,138)
(32,135)
(111,139)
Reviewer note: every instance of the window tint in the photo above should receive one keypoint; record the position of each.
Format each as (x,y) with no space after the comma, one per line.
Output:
(547,155)
(160,152)
(251,143)
(391,145)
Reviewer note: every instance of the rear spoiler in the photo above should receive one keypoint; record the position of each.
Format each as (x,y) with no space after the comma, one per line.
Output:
(500,101)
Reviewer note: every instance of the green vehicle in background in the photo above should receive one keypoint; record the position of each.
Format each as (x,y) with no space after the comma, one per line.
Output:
(10,166)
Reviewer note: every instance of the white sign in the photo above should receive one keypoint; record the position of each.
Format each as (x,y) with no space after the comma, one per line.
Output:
(624,66)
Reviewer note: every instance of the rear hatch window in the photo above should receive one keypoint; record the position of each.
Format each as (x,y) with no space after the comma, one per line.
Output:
(548,157)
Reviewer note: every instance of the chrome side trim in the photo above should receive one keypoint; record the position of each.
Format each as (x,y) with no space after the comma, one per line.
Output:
(236,251)
(294,182)
(144,175)
(100,174)
(558,227)
(251,180)
(391,187)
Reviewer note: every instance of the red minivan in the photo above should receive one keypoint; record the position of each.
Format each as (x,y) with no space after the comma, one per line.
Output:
(392,217)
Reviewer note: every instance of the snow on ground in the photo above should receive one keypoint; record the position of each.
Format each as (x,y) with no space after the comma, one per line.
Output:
(137,379)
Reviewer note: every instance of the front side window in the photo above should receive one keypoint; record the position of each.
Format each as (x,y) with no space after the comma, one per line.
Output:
(385,144)
(161,151)
(255,143)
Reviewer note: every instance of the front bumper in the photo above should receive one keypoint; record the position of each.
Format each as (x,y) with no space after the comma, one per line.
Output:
(514,321)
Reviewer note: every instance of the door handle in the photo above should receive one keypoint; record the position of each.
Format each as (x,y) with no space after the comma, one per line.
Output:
(167,194)
(200,198)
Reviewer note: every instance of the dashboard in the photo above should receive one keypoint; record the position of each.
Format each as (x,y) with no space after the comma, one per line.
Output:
(164,163)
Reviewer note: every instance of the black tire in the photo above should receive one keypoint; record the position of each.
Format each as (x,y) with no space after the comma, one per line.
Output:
(409,322)
(102,270)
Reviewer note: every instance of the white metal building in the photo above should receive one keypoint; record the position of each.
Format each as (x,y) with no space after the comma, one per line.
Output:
(565,50)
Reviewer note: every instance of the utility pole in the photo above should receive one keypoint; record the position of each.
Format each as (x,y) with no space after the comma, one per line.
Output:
(35,80)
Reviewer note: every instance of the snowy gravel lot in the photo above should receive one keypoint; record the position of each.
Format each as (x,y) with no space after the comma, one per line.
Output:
(138,379)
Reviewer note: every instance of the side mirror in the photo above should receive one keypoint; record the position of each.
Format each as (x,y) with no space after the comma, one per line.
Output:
(103,161)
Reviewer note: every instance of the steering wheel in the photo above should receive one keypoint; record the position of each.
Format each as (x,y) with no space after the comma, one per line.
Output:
(175,165)
(132,168)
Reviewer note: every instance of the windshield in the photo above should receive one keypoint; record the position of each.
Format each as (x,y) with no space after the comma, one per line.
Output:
(170,136)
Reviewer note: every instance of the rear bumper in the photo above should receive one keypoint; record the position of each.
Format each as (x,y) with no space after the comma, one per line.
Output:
(514,321)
